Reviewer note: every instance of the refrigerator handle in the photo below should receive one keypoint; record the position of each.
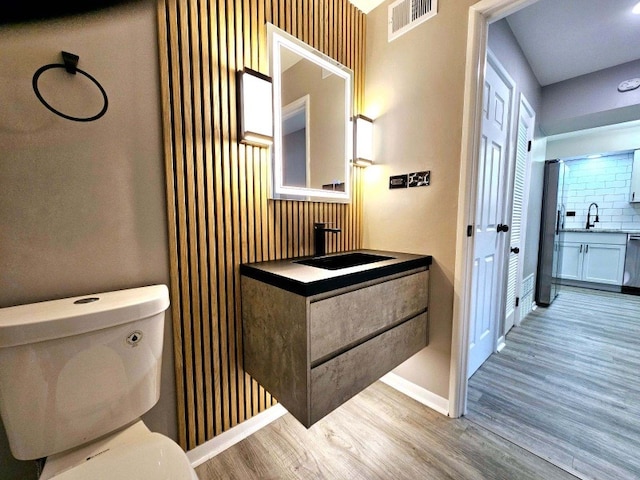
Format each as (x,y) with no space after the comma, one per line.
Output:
(580,249)
(586,249)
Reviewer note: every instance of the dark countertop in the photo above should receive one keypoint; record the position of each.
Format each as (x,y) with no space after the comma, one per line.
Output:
(307,280)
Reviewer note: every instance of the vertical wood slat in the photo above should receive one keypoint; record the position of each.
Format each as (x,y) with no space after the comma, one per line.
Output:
(197,222)
(215,207)
(223,230)
(219,214)
(166,87)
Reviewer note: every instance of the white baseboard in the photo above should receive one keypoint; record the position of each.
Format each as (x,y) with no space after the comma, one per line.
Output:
(418,393)
(227,439)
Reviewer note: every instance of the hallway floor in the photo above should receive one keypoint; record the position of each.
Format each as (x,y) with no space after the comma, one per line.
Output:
(567,385)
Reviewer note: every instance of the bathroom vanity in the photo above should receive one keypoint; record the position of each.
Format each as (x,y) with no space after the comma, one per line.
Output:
(319,330)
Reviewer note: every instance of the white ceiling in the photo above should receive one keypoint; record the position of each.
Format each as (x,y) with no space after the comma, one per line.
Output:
(366,5)
(566,38)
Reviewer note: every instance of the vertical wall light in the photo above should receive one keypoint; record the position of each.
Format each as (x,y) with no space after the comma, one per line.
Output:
(363,138)
(255,108)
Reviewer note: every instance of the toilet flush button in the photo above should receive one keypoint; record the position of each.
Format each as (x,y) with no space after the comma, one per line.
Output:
(134,338)
(86,300)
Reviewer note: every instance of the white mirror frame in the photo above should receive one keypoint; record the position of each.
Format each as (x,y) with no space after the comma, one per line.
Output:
(278,39)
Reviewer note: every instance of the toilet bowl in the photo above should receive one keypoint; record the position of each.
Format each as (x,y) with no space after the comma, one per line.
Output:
(76,375)
(132,453)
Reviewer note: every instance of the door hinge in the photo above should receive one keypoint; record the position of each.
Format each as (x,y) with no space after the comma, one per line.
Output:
(469,230)
(517,301)
(529,146)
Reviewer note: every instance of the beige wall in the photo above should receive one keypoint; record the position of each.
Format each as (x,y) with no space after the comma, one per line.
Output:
(414,91)
(82,205)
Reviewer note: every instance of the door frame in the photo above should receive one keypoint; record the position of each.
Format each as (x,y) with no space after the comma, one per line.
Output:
(301,104)
(480,16)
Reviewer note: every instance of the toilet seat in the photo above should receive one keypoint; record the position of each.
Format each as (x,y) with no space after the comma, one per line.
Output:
(135,454)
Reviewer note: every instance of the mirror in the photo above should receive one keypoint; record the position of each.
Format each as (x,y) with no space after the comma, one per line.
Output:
(312,146)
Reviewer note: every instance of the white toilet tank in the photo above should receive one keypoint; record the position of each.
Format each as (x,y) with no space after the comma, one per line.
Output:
(74,369)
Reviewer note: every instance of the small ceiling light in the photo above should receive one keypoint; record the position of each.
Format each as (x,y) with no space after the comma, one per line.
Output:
(363,136)
(255,108)
(636,9)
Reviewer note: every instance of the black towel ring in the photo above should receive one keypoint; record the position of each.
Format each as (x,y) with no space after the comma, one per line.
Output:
(70,65)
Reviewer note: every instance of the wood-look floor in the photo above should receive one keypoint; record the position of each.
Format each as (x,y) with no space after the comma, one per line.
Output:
(567,385)
(379,434)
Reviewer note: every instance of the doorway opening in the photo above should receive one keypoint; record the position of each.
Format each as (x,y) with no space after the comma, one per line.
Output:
(481,16)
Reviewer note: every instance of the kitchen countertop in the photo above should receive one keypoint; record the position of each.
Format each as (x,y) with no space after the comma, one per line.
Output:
(599,230)
(307,280)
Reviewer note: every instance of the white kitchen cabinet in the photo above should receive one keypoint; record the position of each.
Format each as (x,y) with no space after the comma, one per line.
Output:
(593,257)
(571,261)
(634,192)
(603,263)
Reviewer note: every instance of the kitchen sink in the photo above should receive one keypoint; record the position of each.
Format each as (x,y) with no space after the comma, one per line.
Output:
(342,260)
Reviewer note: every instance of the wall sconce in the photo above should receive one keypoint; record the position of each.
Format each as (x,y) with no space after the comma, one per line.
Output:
(255,108)
(363,136)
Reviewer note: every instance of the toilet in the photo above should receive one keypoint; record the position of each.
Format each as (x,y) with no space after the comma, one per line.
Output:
(76,374)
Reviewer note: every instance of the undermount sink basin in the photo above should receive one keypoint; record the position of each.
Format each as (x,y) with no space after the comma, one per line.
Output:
(344,260)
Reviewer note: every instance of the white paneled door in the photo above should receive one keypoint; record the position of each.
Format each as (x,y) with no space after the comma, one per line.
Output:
(490,233)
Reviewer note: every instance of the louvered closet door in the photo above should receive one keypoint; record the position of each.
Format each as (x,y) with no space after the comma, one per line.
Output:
(526,118)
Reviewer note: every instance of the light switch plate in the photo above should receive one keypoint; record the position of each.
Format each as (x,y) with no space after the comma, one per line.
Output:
(398,181)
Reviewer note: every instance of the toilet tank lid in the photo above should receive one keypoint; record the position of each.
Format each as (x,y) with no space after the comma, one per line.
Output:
(36,322)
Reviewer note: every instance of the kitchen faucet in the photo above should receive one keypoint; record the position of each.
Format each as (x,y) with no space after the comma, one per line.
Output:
(589,224)
(319,230)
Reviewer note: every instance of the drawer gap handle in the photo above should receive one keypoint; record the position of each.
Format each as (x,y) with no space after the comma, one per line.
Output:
(346,348)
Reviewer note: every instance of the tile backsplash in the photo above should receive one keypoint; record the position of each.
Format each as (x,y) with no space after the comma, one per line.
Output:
(605,181)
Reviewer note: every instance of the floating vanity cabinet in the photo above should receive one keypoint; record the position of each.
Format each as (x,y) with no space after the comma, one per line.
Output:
(314,338)
(593,257)
(634,192)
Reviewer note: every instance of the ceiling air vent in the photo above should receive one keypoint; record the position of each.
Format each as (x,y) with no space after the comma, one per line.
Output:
(407,14)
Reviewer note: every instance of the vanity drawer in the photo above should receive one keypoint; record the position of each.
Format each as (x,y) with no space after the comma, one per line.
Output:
(339,321)
(339,379)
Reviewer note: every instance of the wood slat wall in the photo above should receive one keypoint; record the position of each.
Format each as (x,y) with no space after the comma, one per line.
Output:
(219,214)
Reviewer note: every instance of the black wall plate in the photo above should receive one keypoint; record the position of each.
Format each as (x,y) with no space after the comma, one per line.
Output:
(420,179)
(398,181)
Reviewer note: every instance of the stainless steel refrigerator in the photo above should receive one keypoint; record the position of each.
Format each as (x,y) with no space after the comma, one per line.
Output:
(551,227)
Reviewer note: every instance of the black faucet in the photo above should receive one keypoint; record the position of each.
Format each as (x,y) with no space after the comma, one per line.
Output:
(589,224)
(319,243)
